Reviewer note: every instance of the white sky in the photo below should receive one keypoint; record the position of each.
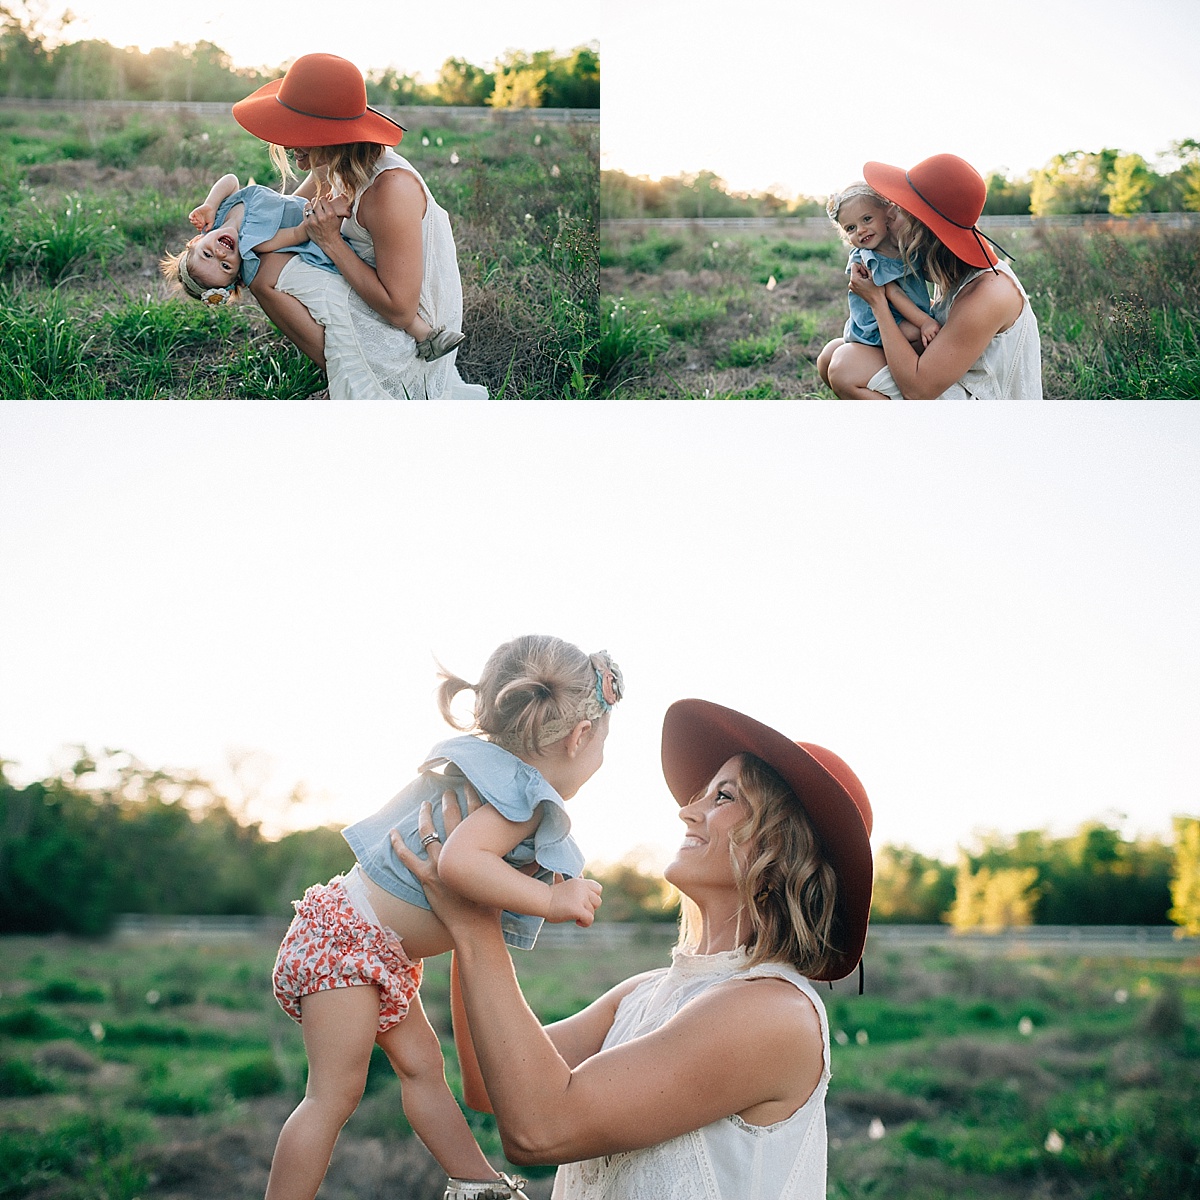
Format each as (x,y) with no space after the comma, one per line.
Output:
(989,611)
(414,38)
(798,94)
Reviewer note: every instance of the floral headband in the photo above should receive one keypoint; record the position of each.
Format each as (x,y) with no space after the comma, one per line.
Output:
(609,689)
(210,295)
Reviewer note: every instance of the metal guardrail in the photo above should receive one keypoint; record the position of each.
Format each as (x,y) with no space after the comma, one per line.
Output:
(1132,939)
(404,113)
(822,225)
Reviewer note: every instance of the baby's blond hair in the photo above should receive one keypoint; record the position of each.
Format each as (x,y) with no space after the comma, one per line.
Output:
(856,191)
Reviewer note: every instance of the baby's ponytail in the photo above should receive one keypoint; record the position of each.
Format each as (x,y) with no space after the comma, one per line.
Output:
(533,691)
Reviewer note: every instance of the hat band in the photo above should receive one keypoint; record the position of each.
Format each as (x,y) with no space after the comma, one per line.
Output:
(323,117)
(973,228)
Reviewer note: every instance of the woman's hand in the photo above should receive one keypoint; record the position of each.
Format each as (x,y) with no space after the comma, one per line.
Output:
(323,219)
(861,284)
(455,911)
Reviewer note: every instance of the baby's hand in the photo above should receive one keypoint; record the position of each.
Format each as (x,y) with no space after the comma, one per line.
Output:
(574,900)
(929,330)
(203,216)
(341,205)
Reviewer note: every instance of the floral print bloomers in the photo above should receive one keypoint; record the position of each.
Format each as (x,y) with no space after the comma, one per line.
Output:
(329,944)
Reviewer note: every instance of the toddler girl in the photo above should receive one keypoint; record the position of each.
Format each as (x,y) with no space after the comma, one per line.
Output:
(238,224)
(866,221)
(349,968)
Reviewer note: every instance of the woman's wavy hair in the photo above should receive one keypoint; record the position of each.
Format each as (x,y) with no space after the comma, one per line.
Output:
(787,887)
(351,166)
(924,252)
(526,685)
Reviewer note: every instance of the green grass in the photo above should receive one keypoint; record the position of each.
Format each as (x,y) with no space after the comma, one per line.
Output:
(968,1060)
(93,201)
(747,313)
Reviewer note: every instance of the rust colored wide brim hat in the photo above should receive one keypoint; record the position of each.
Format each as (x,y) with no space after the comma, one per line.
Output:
(699,737)
(320,101)
(944,192)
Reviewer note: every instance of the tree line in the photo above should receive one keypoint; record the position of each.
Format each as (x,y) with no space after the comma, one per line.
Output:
(108,835)
(1102,181)
(36,63)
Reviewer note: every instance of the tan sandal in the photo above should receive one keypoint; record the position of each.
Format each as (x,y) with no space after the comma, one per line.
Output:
(506,1187)
(440,342)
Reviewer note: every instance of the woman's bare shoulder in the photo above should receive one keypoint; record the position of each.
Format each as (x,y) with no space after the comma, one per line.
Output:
(394,191)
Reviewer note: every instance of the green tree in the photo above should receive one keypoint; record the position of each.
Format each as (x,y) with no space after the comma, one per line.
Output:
(1185,877)
(993,898)
(631,894)
(518,81)
(1072,183)
(461,82)
(1129,186)
(910,887)
(1007,197)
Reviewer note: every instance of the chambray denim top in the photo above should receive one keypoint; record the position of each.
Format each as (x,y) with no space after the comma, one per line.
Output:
(514,788)
(267,212)
(861,325)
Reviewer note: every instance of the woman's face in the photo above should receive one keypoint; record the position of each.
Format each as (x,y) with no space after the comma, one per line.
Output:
(301,155)
(864,222)
(703,858)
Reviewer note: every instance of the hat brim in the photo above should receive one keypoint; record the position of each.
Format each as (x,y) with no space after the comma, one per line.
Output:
(892,183)
(263,114)
(698,737)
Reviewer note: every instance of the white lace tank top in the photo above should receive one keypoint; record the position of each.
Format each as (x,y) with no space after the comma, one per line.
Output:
(729,1159)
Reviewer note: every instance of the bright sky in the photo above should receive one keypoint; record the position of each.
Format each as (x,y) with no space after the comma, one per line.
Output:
(989,611)
(416,39)
(797,95)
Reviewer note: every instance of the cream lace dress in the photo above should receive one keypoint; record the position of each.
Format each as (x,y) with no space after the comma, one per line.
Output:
(729,1159)
(365,357)
(1010,367)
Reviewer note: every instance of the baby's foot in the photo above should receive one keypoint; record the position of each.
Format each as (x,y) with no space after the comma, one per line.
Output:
(506,1187)
(441,341)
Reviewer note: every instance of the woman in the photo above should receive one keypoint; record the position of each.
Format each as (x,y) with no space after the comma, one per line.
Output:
(988,347)
(397,259)
(707,1079)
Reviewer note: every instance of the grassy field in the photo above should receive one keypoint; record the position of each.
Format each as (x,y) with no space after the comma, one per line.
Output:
(163,1070)
(729,314)
(93,199)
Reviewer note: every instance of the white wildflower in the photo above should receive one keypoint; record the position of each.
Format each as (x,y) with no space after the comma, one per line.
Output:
(1054,1142)
(876,1129)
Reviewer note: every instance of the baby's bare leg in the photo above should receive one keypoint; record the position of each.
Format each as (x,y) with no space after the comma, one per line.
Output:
(413,1049)
(339,1033)
(418,328)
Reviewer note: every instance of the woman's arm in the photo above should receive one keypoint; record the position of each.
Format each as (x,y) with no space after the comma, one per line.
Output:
(743,1047)
(472,862)
(390,210)
(978,314)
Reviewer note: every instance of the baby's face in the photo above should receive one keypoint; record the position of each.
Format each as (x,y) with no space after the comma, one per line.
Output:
(864,222)
(214,260)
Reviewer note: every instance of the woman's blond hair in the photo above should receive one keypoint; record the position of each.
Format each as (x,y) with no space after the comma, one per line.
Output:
(530,693)
(924,252)
(351,166)
(787,887)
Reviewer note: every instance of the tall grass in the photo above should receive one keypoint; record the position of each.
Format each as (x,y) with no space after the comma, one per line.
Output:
(961,1072)
(93,201)
(1118,309)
